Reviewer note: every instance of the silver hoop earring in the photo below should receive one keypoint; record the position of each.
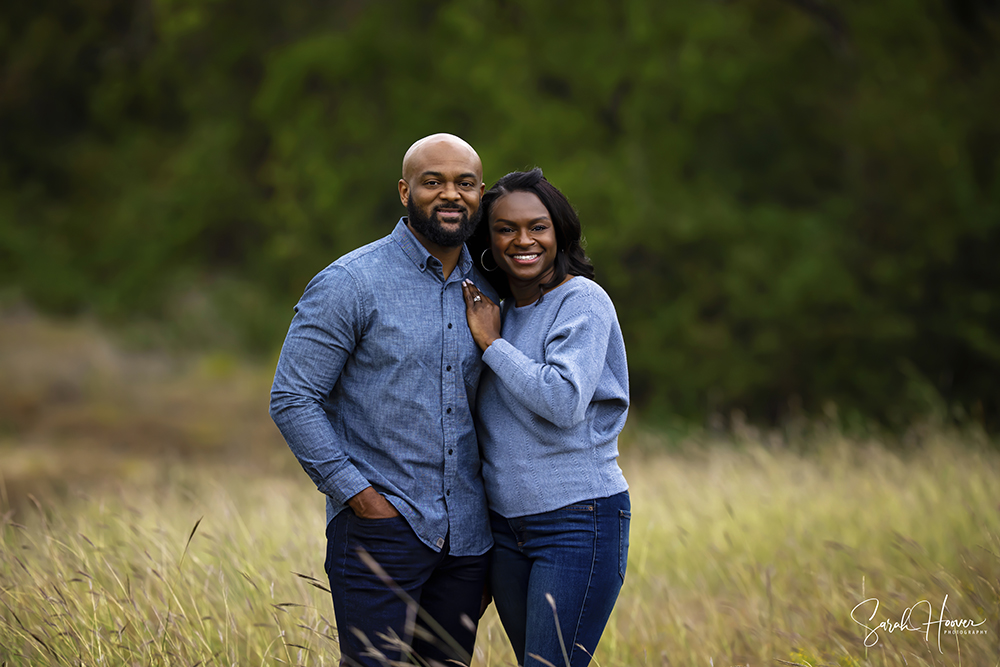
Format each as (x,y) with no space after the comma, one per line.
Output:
(482,262)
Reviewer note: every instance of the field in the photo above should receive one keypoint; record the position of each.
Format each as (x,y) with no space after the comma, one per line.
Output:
(152,516)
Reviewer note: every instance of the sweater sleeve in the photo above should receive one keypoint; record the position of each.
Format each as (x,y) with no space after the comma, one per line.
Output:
(560,388)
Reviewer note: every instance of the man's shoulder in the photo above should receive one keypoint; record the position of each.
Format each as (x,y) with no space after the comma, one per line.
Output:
(360,261)
(360,258)
(353,267)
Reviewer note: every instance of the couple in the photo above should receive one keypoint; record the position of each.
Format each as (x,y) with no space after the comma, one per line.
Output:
(465,449)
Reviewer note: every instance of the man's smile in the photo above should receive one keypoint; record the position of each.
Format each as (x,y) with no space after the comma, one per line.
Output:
(450,214)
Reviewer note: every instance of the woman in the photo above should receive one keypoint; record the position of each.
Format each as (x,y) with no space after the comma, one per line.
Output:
(551,404)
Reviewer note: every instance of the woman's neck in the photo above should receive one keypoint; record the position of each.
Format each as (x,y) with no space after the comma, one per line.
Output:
(525,294)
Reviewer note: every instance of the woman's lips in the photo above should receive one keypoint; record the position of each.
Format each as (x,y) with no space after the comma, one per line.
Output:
(525,258)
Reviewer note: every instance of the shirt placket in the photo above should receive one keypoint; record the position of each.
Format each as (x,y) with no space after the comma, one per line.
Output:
(447,322)
(450,370)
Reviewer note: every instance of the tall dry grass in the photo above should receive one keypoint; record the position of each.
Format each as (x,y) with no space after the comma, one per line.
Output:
(749,555)
(151,515)
(739,555)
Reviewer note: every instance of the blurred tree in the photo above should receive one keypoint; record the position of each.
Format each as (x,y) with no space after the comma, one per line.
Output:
(792,202)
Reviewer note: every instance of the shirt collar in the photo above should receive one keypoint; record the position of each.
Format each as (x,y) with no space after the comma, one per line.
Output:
(419,255)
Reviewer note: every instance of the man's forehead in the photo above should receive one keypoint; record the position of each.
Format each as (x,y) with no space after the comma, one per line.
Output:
(440,154)
(444,172)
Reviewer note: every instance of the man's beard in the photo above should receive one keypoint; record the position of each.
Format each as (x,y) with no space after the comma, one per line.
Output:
(432,230)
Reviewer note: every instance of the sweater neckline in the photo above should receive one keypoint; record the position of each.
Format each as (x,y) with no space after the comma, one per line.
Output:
(551,291)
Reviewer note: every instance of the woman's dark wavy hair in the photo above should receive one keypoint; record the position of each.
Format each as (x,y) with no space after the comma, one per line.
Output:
(570,259)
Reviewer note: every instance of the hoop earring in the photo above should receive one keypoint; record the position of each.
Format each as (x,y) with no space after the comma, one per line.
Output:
(482,262)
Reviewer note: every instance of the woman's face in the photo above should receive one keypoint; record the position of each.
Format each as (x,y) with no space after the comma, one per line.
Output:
(523,238)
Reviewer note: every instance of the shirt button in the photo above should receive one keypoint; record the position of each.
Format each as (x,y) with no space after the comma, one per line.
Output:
(448,492)
(449,325)
(450,451)
(448,411)
(448,369)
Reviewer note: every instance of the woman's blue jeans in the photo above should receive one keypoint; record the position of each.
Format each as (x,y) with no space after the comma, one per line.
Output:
(577,554)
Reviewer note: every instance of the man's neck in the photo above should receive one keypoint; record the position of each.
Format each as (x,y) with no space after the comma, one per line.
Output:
(447,256)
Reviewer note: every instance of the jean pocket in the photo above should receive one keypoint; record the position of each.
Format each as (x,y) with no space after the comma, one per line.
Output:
(624,518)
(577,508)
(380,529)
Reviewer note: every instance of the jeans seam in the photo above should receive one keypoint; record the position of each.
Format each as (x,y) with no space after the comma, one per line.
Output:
(579,507)
(624,516)
(347,541)
(572,648)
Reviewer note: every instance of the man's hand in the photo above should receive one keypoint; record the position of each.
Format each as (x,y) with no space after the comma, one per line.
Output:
(370,504)
(483,315)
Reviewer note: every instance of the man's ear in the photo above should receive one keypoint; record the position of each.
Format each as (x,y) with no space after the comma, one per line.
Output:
(404,191)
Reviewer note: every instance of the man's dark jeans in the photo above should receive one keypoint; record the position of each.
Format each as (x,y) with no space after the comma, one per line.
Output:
(448,588)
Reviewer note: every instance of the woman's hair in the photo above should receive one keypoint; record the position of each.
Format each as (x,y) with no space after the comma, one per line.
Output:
(570,258)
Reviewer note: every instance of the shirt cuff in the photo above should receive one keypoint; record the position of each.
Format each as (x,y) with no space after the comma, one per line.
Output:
(344,484)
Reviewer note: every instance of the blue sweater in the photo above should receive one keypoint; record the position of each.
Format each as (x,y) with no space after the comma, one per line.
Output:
(552,401)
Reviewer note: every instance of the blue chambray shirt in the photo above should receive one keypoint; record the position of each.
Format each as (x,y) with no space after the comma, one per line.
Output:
(376,385)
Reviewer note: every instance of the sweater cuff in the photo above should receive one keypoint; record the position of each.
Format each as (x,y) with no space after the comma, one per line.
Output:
(501,356)
(495,354)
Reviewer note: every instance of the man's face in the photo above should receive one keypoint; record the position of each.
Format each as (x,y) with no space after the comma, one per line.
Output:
(441,189)
(435,230)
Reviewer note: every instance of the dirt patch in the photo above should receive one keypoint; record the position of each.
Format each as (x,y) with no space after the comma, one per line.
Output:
(78,409)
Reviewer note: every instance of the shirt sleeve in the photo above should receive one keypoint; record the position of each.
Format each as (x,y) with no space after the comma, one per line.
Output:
(561,388)
(327,324)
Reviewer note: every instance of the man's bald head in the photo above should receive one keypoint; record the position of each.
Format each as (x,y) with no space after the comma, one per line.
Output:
(436,147)
(441,187)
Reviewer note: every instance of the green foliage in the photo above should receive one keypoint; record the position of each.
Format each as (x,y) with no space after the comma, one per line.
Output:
(793,205)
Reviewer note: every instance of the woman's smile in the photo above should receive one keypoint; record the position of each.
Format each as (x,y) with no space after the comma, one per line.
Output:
(524,243)
(526,259)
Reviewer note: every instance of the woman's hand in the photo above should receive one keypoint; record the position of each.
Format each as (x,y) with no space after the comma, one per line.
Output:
(483,315)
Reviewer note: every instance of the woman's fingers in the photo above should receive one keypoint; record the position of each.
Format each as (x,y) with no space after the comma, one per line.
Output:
(473,296)
(483,315)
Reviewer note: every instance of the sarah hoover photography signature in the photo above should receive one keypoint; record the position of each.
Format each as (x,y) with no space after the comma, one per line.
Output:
(907,622)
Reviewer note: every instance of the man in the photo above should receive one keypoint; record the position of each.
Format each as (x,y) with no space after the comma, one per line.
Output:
(374,393)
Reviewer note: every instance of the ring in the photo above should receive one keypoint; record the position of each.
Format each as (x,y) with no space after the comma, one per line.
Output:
(477,298)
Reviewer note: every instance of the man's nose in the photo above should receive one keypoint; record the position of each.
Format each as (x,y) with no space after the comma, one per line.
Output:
(450,192)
